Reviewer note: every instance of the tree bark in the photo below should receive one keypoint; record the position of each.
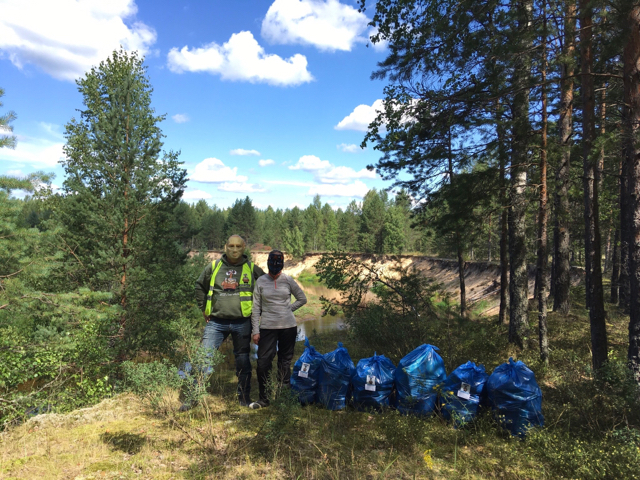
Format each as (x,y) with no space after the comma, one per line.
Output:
(615,271)
(463,293)
(631,73)
(489,242)
(591,182)
(518,279)
(504,253)
(562,243)
(541,271)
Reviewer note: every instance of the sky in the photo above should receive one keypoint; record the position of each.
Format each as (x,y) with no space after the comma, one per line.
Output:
(269,99)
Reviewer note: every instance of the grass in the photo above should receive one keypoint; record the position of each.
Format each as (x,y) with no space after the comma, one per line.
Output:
(591,424)
(309,277)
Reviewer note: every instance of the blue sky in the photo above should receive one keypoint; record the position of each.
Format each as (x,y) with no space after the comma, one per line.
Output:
(263,98)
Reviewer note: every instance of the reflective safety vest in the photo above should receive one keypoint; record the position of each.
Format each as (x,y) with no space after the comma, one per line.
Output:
(246,289)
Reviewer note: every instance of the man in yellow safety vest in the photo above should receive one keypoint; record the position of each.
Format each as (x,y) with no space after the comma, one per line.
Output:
(224,292)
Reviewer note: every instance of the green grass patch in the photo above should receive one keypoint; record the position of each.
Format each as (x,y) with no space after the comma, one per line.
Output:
(308,277)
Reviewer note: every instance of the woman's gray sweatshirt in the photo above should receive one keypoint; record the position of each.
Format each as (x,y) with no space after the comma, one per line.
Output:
(272,307)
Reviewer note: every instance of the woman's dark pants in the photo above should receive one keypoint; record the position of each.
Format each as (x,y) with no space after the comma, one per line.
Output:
(285,339)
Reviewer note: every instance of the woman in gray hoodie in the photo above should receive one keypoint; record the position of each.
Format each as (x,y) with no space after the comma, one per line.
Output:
(273,324)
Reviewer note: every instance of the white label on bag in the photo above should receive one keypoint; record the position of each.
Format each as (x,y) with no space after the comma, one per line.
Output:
(465,391)
(304,370)
(370,385)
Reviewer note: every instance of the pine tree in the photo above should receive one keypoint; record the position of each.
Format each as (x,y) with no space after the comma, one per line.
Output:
(119,189)
(6,140)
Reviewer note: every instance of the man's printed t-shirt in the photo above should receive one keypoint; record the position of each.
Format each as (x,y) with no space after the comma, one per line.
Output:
(229,282)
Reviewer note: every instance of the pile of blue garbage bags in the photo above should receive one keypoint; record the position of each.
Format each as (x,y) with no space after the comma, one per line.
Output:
(419,385)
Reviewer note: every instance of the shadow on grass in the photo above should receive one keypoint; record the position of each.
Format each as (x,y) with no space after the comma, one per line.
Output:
(129,443)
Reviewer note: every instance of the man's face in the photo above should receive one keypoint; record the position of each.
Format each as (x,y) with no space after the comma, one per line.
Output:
(234,249)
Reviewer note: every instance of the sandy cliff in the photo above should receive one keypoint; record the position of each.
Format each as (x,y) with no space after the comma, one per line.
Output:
(482,279)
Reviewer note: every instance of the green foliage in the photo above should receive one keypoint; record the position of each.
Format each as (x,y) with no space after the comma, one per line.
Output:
(284,410)
(386,310)
(242,221)
(118,188)
(150,379)
(308,277)
(293,242)
(54,349)
(6,140)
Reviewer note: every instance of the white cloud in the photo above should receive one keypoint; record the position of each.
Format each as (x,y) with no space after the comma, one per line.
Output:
(242,151)
(195,195)
(325,172)
(212,170)
(361,117)
(327,25)
(344,175)
(241,58)
(264,163)
(310,163)
(65,38)
(290,183)
(350,148)
(180,118)
(356,189)
(36,152)
(52,130)
(240,187)
(14,173)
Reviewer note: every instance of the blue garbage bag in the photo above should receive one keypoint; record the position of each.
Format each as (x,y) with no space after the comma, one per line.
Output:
(462,392)
(515,397)
(304,379)
(373,383)
(335,376)
(416,376)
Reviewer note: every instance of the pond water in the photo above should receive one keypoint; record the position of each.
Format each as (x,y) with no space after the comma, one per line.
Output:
(319,325)
(307,328)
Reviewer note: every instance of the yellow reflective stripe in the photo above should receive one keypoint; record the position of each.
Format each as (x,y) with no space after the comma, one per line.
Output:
(216,269)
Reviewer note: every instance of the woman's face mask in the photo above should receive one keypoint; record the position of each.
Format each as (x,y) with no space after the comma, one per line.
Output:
(275,262)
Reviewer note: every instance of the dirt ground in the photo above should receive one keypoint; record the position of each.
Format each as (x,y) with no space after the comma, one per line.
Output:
(482,279)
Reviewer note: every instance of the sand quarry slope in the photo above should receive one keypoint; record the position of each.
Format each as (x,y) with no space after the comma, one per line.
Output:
(482,279)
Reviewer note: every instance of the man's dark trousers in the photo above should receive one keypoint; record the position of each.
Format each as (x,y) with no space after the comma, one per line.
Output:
(285,339)
(216,331)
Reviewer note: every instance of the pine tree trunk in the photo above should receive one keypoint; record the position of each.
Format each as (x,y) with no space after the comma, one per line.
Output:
(562,242)
(463,292)
(607,252)
(625,224)
(489,242)
(591,182)
(541,271)
(518,279)
(631,60)
(615,272)
(504,253)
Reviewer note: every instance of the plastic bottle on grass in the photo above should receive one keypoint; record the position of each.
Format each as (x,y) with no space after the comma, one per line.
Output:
(462,392)
(304,379)
(335,376)
(416,376)
(373,383)
(515,397)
